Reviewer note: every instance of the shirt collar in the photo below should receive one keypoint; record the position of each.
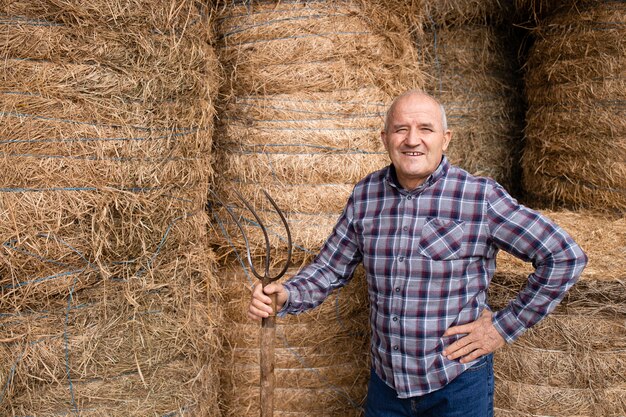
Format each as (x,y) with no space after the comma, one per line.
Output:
(392,177)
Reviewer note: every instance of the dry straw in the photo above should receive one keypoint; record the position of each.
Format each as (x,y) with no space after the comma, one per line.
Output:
(545,400)
(106,121)
(472,73)
(575,147)
(573,362)
(294,47)
(459,12)
(319,354)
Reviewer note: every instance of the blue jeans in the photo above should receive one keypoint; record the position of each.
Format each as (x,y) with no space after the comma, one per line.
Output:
(468,395)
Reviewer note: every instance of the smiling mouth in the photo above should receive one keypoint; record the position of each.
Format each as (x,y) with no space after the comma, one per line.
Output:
(412,153)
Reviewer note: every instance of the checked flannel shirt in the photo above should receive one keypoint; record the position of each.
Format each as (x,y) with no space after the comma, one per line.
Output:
(429,255)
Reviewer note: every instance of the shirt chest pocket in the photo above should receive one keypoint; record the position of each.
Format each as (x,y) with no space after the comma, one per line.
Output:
(441,239)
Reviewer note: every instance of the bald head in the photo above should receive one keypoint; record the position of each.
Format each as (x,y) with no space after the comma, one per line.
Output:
(415,93)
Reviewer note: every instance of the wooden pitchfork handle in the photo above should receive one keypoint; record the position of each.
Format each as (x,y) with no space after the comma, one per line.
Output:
(268,336)
(268,325)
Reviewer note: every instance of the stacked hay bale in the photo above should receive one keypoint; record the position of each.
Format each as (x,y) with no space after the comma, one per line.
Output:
(574,361)
(575,135)
(320,357)
(309,83)
(105,269)
(471,62)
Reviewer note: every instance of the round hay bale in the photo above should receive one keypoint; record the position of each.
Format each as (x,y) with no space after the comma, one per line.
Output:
(302,113)
(105,266)
(286,47)
(545,400)
(160,16)
(535,11)
(319,354)
(116,329)
(575,142)
(557,368)
(472,73)
(459,12)
(156,392)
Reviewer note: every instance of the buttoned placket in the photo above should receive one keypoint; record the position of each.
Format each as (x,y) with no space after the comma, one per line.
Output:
(401,246)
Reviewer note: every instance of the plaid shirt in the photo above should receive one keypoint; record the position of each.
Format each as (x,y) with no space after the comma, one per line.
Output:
(429,255)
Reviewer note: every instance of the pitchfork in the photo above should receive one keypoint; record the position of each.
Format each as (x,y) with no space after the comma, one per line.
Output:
(268,325)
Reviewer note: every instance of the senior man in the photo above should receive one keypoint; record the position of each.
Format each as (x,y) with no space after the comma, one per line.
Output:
(427,233)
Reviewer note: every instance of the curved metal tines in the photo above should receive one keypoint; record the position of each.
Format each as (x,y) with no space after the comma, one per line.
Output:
(266,276)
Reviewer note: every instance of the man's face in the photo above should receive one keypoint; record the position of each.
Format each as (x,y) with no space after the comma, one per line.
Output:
(415,139)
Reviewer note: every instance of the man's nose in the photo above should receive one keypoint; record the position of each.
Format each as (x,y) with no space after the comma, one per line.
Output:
(413,138)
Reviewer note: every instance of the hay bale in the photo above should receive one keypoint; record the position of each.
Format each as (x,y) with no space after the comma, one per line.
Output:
(110,329)
(558,368)
(292,47)
(575,88)
(162,16)
(546,400)
(459,12)
(105,268)
(573,362)
(126,394)
(471,69)
(319,354)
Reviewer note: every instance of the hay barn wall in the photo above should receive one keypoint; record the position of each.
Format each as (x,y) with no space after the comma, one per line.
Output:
(105,268)
(120,296)
(575,126)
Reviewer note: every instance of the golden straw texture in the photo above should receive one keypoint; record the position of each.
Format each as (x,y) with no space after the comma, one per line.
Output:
(575,136)
(106,123)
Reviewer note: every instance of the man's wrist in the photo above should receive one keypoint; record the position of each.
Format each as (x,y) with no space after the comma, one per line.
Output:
(508,325)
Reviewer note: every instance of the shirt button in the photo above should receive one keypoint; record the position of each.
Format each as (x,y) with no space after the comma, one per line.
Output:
(397,289)
(395,319)
(405,228)
(401,259)
(409,197)
(395,347)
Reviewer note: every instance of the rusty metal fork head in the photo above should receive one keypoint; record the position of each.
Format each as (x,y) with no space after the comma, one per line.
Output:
(266,278)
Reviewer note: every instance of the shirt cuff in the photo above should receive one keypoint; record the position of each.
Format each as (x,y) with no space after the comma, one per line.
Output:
(509,326)
(289,306)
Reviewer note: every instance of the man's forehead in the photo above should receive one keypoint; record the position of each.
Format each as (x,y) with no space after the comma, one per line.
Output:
(416,100)
(422,110)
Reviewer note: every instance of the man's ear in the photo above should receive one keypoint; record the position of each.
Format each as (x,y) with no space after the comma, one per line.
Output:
(447,137)
(383,138)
